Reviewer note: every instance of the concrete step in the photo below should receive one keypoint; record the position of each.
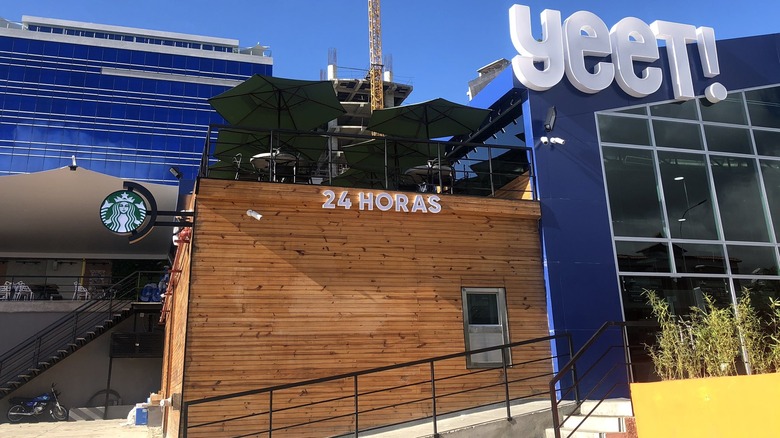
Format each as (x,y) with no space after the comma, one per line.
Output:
(550,433)
(594,423)
(617,407)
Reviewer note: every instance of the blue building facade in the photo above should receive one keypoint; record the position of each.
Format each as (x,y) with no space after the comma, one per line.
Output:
(676,195)
(125,102)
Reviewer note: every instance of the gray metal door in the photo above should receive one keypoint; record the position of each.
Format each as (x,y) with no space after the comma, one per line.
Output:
(485,324)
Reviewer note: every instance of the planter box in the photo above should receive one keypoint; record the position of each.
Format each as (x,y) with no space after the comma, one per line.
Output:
(735,406)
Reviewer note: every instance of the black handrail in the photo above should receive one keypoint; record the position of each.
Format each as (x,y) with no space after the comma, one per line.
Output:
(558,394)
(505,348)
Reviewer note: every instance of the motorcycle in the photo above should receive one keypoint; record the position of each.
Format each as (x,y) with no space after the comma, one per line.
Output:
(46,403)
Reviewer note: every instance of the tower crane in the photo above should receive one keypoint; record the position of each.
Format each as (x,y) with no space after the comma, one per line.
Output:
(375,51)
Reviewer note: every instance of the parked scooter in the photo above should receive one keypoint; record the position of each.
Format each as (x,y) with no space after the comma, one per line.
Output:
(46,403)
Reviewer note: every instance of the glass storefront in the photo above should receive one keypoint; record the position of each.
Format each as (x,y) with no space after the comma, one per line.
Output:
(694,199)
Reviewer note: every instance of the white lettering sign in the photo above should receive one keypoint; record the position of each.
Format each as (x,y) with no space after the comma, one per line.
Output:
(564,49)
(383,201)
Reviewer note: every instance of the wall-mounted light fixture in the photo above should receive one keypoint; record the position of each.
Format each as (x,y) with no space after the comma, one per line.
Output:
(175,172)
(73,165)
(254,214)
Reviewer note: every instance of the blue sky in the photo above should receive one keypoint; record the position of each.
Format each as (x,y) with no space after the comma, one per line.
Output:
(436,45)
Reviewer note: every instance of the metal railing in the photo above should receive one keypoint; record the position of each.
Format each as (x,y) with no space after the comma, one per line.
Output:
(69,332)
(62,287)
(608,370)
(350,392)
(352,160)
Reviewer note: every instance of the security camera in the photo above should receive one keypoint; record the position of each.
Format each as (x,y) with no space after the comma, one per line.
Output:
(557,140)
(545,140)
(549,121)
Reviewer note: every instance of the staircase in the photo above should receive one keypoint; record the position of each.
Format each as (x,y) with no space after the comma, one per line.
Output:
(58,340)
(66,335)
(611,418)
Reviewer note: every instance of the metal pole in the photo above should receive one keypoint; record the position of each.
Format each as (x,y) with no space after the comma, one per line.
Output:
(506,384)
(433,399)
(270,413)
(574,369)
(627,352)
(108,386)
(357,425)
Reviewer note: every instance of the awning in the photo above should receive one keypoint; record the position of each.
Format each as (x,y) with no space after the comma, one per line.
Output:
(56,214)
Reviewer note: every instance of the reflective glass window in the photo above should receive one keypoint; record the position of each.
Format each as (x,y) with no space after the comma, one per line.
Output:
(752,260)
(687,195)
(166,60)
(626,130)
(763,106)
(699,258)
(770,170)
(51,48)
(677,135)
(152,59)
(642,256)
(123,56)
(727,139)
(36,47)
(731,110)
(767,142)
(27,104)
(761,290)
(633,194)
(16,73)
(676,110)
(59,106)
(66,50)
(739,199)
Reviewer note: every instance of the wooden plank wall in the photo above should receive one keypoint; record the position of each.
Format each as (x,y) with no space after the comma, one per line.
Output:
(176,301)
(308,292)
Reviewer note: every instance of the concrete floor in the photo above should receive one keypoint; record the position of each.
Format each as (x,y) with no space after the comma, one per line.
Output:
(79,429)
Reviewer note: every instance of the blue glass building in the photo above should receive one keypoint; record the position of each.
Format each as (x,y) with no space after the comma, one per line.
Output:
(126,102)
(119,103)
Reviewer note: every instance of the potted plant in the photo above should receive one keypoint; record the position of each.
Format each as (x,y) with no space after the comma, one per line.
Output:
(698,358)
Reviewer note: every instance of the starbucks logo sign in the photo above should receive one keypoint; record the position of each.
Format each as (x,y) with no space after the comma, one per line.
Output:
(123,211)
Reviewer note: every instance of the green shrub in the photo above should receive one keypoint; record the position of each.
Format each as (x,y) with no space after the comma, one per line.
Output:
(710,341)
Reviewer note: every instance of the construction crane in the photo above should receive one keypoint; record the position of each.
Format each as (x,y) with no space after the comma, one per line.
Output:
(375,50)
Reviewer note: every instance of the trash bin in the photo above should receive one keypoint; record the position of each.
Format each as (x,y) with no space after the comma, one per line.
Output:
(141,416)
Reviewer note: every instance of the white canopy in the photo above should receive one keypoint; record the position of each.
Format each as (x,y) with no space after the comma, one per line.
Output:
(56,214)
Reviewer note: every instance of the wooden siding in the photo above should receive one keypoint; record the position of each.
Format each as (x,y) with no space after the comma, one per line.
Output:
(308,292)
(176,301)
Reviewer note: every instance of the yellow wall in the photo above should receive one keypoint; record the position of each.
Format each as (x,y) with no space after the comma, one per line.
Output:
(728,407)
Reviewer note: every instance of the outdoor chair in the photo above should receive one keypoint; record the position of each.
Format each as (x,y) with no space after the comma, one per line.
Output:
(5,290)
(80,292)
(23,292)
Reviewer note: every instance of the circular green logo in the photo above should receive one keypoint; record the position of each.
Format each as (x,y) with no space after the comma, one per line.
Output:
(123,211)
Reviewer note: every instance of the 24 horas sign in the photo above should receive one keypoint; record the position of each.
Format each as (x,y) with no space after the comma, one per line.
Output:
(631,43)
(382,201)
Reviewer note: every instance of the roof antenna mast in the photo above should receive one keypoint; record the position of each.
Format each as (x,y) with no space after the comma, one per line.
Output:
(375,50)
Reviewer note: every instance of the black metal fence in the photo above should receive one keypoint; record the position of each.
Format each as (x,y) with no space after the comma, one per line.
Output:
(362,161)
(427,393)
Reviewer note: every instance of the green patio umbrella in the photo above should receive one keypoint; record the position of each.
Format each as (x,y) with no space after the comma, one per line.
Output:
(431,119)
(267,102)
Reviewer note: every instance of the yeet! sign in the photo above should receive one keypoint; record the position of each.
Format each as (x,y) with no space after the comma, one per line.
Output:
(631,41)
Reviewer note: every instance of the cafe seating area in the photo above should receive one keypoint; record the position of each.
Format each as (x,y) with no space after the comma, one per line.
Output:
(18,291)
